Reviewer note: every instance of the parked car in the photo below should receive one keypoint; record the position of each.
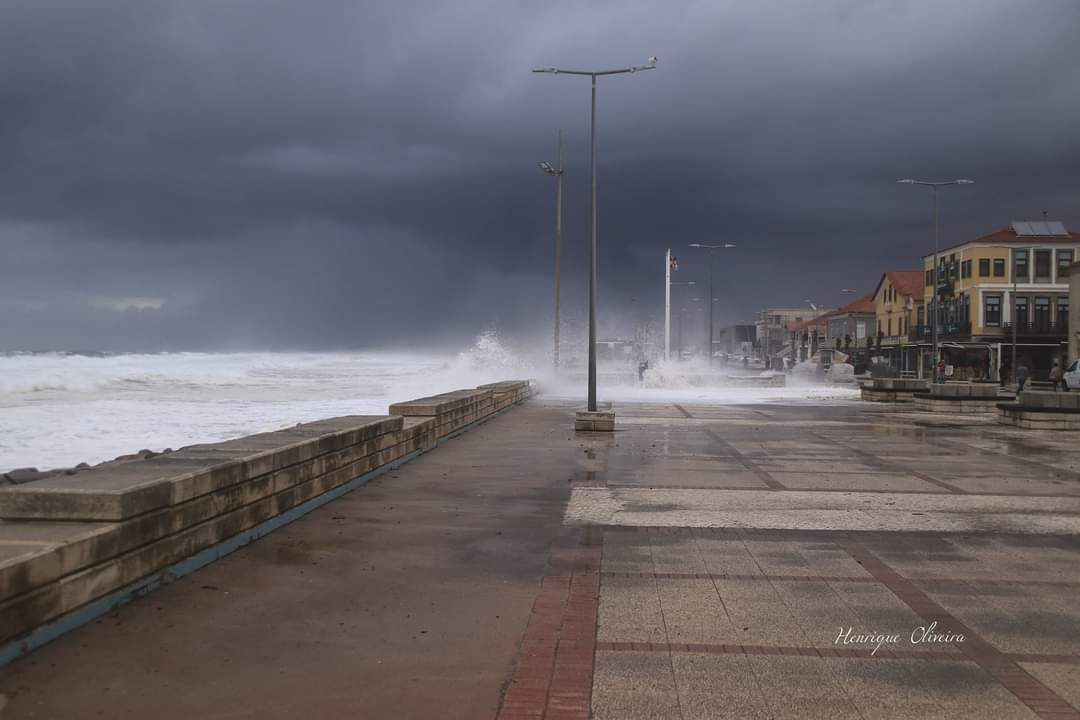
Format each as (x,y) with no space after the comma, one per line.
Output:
(1072,376)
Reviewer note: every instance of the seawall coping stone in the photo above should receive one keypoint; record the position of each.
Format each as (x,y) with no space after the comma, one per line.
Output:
(119,491)
(66,546)
(440,404)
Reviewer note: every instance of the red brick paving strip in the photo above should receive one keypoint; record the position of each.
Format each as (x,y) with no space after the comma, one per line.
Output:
(553,674)
(1043,701)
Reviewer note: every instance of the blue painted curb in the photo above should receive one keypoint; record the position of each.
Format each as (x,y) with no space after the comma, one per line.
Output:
(44,634)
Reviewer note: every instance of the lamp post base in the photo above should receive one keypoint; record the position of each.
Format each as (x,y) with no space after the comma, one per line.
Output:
(594,421)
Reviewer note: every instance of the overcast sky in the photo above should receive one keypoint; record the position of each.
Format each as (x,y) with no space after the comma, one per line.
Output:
(202,174)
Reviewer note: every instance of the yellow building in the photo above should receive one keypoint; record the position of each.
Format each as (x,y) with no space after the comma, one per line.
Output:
(1021,267)
(897,295)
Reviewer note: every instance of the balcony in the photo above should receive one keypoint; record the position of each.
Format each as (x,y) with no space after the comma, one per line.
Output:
(1042,329)
(945,330)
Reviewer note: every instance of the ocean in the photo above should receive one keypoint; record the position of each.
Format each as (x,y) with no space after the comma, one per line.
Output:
(61,409)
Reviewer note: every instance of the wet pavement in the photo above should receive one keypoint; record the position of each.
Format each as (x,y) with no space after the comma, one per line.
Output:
(769,561)
(841,561)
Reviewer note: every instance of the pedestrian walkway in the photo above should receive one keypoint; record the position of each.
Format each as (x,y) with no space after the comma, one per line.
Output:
(766,561)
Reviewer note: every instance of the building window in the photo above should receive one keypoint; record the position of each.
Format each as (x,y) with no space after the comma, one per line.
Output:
(890,328)
(929,277)
(1020,266)
(999,267)
(1063,313)
(1042,313)
(992,309)
(1064,260)
(984,267)
(1020,315)
(919,315)
(1042,264)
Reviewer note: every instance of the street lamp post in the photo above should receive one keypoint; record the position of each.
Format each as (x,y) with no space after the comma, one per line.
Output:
(670,263)
(1013,314)
(557,172)
(934,185)
(593,74)
(667,317)
(711,248)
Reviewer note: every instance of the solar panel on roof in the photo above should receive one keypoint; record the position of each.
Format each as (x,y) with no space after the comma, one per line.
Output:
(1040,229)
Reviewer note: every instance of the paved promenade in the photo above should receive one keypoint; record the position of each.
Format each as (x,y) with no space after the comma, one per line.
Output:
(768,561)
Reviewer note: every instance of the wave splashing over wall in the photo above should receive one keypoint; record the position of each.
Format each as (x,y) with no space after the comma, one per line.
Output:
(60,409)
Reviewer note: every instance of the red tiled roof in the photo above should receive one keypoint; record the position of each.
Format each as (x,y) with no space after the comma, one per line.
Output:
(907,282)
(811,322)
(862,305)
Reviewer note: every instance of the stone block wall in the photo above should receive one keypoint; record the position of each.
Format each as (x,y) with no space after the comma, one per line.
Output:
(978,391)
(925,402)
(68,541)
(893,389)
(1036,410)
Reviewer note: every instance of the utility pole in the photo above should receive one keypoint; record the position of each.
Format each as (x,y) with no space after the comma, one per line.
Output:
(711,248)
(557,172)
(670,263)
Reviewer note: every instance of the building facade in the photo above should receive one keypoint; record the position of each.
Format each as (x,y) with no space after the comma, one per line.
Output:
(896,300)
(737,340)
(1009,283)
(851,329)
(1074,312)
(771,330)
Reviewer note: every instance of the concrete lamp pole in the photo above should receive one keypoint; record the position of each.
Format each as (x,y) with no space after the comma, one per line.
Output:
(934,185)
(557,172)
(593,74)
(669,262)
(711,249)
(667,316)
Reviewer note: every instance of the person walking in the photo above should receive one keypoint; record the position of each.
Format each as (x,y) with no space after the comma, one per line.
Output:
(1021,377)
(941,370)
(1056,375)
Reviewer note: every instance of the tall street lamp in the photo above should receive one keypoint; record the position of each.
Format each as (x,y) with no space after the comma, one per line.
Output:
(557,172)
(670,263)
(934,185)
(667,314)
(593,74)
(711,249)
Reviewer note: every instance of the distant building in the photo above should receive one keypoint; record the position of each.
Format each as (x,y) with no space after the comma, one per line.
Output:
(1074,311)
(897,298)
(736,340)
(851,328)
(771,329)
(976,289)
(806,337)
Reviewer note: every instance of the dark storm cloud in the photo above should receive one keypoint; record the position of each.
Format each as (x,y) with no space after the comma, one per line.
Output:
(283,174)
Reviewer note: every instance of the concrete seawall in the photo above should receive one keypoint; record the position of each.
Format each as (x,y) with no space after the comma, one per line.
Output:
(73,547)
